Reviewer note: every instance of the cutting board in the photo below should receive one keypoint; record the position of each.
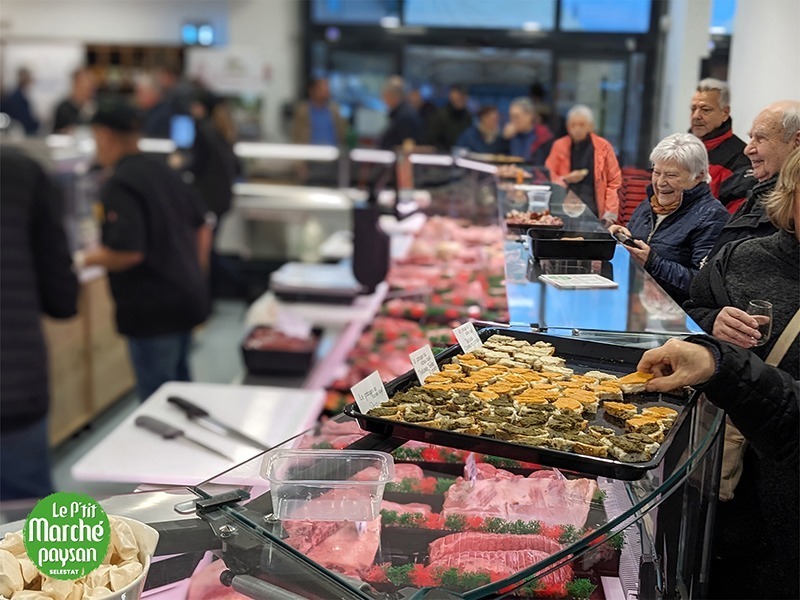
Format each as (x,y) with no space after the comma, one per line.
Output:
(268,414)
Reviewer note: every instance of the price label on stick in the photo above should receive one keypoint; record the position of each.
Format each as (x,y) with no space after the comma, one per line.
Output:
(424,363)
(467,337)
(369,392)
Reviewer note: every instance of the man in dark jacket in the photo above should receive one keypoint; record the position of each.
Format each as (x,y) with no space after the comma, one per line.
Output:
(404,122)
(451,120)
(773,136)
(78,107)
(155,247)
(762,401)
(35,277)
(711,122)
(17,105)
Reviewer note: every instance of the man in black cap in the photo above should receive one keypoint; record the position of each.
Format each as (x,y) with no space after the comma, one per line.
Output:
(155,246)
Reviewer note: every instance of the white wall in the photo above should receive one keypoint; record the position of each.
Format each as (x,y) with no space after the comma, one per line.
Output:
(765,58)
(110,21)
(686,45)
(271,30)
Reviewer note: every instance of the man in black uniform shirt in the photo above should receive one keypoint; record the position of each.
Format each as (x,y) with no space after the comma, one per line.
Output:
(155,245)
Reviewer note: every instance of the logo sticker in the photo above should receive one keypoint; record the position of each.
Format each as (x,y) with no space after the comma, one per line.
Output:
(67,535)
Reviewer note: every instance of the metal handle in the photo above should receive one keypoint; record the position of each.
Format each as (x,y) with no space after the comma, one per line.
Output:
(165,430)
(192,410)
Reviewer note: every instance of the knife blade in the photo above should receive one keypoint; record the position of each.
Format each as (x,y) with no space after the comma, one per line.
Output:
(203,418)
(169,432)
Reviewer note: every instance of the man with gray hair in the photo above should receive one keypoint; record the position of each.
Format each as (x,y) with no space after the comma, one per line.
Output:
(711,122)
(404,122)
(587,164)
(775,133)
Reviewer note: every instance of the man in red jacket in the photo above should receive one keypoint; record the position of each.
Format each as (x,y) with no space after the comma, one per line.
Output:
(711,122)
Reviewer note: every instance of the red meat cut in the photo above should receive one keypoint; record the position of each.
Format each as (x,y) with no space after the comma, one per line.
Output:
(498,554)
(411,508)
(544,497)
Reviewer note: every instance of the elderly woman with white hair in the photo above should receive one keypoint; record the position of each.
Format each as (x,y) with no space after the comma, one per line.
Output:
(528,138)
(586,163)
(676,228)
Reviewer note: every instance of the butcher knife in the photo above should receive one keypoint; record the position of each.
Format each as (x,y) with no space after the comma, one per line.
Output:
(168,432)
(202,417)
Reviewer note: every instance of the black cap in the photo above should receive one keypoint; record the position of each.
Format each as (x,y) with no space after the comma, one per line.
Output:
(118,115)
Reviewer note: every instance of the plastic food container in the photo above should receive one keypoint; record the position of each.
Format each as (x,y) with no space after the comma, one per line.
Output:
(327,485)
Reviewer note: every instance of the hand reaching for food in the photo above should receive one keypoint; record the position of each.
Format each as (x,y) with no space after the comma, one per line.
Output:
(576,176)
(677,364)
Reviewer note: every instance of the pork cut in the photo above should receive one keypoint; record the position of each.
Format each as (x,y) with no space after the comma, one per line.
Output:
(500,555)
(545,496)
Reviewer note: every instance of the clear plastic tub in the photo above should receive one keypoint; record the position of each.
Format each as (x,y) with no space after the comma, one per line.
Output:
(327,485)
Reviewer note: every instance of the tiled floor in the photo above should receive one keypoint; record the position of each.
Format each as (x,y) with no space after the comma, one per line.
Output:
(215,359)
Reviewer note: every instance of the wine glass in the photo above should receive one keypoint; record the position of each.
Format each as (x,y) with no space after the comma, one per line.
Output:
(761,311)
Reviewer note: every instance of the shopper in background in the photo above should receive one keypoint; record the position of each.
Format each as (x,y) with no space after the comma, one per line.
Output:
(674,231)
(484,137)
(775,133)
(586,163)
(17,105)
(527,137)
(727,164)
(157,114)
(78,108)
(404,122)
(35,277)
(424,107)
(155,246)
(451,120)
(317,120)
(214,168)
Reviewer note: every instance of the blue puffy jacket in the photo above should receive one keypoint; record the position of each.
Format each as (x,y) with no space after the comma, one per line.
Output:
(682,240)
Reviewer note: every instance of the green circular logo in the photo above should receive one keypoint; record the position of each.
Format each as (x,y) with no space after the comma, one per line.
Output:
(67,535)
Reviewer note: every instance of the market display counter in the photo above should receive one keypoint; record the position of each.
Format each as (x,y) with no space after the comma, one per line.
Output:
(89,367)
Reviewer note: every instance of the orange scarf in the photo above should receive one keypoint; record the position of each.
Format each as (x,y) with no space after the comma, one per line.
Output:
(660,209)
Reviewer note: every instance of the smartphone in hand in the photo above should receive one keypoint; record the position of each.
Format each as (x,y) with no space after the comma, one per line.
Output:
(625,240)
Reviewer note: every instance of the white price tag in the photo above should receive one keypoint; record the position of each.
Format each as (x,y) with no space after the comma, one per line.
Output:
(369,392)
(471,469)
(424,363)
(467,336)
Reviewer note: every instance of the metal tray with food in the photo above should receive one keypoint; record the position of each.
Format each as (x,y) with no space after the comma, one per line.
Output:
(520,222)
(552,401)
(571,244)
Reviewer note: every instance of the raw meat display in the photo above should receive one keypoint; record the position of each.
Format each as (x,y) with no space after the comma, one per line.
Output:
(497,554)
(533,219)
(410,508)
(267,338)
(544,496)
(347,551)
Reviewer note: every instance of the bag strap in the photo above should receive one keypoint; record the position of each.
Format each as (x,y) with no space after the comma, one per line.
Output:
(788,336)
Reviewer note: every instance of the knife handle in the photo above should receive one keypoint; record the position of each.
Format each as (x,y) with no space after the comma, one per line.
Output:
(192,410)
(165,430)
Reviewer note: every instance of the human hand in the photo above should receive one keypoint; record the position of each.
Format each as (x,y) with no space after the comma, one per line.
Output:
(736,326)
(509,131)
(576,176)
(615,229)
(640,253)
(677,364)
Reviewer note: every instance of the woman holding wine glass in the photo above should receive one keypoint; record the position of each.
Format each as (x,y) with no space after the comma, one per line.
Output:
(732,296)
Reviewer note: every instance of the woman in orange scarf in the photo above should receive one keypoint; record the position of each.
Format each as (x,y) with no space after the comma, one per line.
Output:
(675,230)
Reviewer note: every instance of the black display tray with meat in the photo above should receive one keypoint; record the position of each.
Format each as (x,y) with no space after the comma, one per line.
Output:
(546,243)
(582,356)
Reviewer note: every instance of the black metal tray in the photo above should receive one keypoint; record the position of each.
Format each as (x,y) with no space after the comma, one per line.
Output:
(581,355)
(548,243)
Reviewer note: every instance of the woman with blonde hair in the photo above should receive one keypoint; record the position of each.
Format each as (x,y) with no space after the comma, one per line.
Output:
(765,268)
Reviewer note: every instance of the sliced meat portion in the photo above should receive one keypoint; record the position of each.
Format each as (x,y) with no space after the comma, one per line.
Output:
(411,508)
(502,564)
(304,535)
(347,551)
(548,499)
(459,543)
